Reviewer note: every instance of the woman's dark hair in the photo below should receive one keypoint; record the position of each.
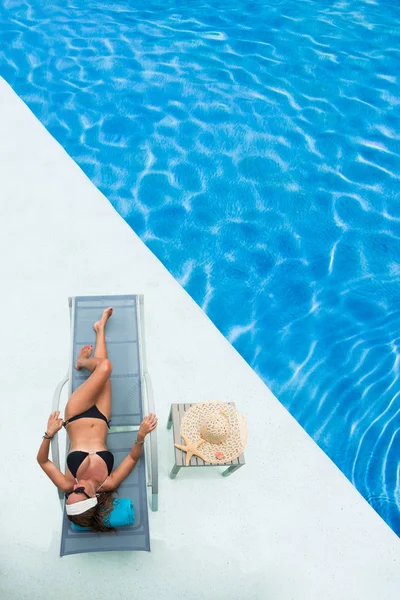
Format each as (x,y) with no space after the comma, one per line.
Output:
(94,517)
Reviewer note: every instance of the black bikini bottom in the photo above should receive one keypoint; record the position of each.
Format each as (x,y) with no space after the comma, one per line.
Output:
(92,413)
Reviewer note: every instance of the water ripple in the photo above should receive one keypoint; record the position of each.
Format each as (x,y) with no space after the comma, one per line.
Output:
(255,148)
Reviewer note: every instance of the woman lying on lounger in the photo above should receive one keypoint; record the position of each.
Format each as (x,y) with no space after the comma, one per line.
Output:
(90,480)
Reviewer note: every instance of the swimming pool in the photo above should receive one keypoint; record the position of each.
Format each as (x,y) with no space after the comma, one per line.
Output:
(255,148)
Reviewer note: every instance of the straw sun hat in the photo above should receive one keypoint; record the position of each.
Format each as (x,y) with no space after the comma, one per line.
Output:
(214,431)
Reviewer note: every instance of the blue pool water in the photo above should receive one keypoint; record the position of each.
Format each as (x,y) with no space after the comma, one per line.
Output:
(254,146)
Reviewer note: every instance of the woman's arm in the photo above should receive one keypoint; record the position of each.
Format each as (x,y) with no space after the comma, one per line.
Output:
(54,424)
(126,466)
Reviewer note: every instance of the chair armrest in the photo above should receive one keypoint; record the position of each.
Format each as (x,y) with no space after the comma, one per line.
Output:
(55,454)
(153,444)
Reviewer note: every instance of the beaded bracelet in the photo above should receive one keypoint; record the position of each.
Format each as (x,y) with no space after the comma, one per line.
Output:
(47,436)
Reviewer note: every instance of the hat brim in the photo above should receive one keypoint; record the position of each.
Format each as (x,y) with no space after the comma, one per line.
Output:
(236,441)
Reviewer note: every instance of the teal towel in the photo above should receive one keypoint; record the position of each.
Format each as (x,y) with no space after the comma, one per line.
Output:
(122,515)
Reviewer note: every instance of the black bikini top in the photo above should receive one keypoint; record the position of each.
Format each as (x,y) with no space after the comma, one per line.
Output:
(76,458)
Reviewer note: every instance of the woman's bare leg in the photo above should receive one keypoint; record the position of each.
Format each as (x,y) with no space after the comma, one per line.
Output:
(96,389)
(86,395)
(100,350)
(103,401)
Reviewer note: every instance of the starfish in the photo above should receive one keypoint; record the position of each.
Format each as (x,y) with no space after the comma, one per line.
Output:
(191,448)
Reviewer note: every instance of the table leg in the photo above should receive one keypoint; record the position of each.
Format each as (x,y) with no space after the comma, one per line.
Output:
(169,424)
(174,471)
(231,470)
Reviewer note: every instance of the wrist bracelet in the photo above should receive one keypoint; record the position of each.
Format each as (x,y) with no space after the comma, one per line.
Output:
(141,443)
(47,436)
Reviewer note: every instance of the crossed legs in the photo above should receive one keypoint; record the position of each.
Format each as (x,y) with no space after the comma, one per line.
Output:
(97,389)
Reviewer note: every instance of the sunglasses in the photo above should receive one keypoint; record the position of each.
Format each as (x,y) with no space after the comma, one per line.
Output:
(78,490)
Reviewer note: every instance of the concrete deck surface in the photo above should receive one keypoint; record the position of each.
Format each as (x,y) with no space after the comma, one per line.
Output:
(286,526)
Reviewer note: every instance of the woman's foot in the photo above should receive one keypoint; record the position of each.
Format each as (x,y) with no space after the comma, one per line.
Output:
(104,318)
(84,354)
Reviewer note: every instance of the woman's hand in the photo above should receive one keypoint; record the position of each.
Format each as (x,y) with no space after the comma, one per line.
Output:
(54,423)
(148,424)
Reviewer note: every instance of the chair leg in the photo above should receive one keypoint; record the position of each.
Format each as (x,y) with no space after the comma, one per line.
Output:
(231,470)
(154,502)
(174,471)
(169,424)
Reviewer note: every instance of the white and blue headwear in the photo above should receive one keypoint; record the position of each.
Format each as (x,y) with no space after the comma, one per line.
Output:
(80,507)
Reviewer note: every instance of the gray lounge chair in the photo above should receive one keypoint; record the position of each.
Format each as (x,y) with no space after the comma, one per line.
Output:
(132,398)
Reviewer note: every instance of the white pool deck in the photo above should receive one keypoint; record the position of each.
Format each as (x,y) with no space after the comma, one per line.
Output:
(288,525)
